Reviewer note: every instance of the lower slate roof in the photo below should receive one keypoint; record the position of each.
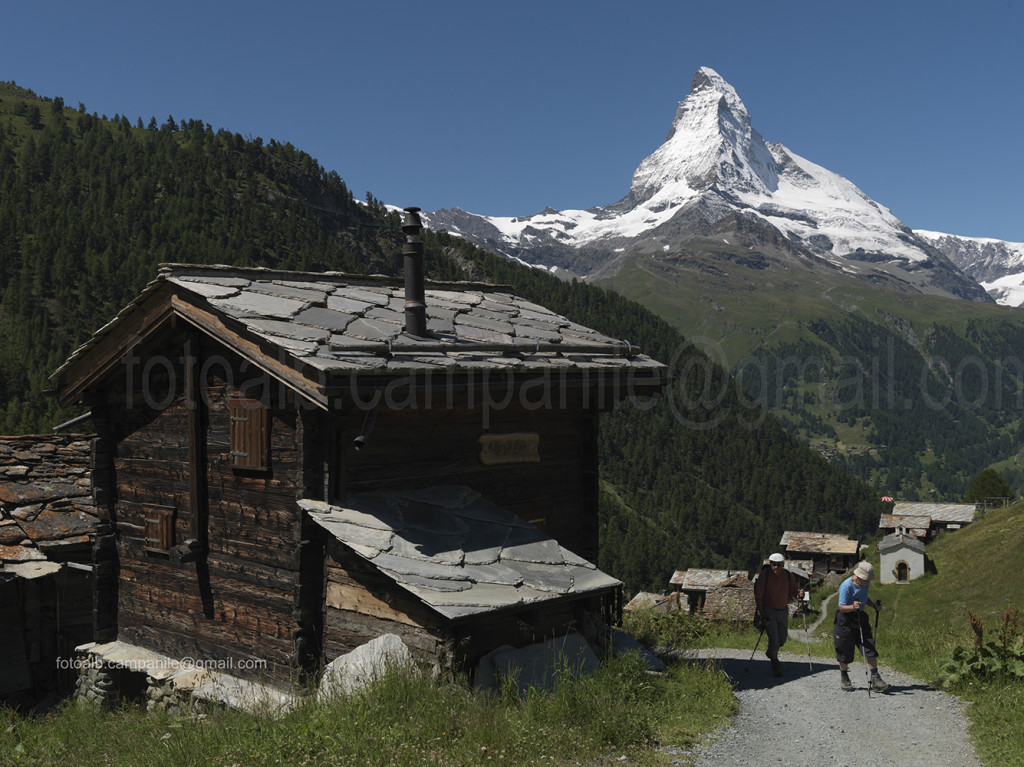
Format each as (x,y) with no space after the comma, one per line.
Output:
(456,551)
(647,600)
(906,521)
(46,507)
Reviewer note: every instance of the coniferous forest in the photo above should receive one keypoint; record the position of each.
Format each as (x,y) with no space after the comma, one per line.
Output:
(90,205)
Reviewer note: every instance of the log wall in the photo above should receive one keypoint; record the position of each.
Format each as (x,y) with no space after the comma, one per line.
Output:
(239,601)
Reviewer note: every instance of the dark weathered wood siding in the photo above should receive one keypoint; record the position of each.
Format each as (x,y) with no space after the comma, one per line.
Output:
(362,603)
(238,603)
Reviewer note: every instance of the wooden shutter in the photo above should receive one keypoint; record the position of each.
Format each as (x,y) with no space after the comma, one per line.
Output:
(159,528)
(249,433)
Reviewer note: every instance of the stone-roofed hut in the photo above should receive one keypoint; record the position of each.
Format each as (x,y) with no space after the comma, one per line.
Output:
(285,470)
(713,593)
(47,527)
(731,599)
(827,552)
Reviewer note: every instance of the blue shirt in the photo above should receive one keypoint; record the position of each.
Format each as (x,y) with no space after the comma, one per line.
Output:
(850,593)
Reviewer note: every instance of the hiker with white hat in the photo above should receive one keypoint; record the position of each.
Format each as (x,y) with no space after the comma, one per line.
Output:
(852,629)
(774,588)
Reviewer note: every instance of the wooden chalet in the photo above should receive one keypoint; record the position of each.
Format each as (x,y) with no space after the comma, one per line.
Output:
(288,465)
(821,553)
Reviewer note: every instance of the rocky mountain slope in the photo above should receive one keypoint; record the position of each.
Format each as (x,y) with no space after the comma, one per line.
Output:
(996,264)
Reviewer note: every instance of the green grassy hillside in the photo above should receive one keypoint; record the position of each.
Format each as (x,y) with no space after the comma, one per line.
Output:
(914,393)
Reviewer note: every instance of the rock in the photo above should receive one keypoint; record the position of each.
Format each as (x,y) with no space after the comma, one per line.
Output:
(348,673)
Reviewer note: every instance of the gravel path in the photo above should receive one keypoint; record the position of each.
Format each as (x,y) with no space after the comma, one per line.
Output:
(804,719)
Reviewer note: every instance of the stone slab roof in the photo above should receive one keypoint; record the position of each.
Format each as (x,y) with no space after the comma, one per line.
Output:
(818,543)
(333,324)
(696,579)
(946,513)
(906,521)
(46,508)
(896,541)
(457,552)
(648,600)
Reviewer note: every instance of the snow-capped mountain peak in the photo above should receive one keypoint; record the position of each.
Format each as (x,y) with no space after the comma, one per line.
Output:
(711,144)
(713,164)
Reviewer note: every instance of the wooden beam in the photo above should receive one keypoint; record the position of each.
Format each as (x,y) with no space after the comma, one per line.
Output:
(198,503)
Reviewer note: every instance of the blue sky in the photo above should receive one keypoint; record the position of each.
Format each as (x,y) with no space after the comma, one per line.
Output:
(506,108)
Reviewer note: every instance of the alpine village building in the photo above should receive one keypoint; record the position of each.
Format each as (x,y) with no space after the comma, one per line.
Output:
(288,465)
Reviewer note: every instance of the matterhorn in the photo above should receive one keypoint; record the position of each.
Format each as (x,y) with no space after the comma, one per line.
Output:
(716,191)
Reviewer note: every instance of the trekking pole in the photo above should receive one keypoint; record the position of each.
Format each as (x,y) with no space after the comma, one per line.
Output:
(803,611)
(754,651)
(863,655)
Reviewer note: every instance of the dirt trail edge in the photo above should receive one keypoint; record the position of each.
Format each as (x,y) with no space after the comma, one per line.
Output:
(804,719)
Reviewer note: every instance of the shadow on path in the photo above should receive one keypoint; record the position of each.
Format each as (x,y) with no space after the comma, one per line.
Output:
(756,674)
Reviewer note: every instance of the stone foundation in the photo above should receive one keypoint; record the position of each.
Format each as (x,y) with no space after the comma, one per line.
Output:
(96,685)
(116,672)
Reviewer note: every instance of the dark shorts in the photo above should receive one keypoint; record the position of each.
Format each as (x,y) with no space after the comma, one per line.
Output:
(852,631)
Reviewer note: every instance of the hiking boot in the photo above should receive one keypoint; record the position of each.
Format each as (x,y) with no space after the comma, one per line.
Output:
(878,684)
(776,667)
(845,683)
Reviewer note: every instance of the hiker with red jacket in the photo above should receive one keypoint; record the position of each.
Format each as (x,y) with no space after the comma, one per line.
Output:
(774,588)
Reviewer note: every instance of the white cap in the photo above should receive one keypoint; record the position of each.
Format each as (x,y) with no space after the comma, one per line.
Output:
(864,570)
(776,557)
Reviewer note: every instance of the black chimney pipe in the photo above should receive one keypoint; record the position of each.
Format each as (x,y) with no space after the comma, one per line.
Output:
(412,256)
